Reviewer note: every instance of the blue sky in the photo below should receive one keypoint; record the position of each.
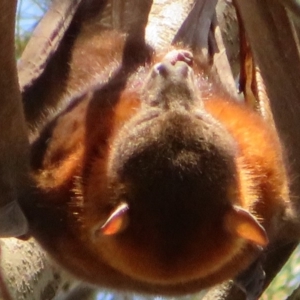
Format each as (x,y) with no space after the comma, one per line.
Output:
(30,12)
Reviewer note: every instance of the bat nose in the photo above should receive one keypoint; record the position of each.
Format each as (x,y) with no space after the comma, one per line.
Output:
(167,70)
(171,83)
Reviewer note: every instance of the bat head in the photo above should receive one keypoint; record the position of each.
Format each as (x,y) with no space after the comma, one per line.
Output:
(173,181)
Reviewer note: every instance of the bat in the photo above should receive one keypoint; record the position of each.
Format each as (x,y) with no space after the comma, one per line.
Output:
(156,181)
(153,179)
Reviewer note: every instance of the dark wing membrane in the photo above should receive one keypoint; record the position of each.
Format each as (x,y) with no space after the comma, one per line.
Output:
(45,40)
(44,68)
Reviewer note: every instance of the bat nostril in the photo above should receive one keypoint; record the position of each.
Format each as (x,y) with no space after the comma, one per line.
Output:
(163,69)
(182,69)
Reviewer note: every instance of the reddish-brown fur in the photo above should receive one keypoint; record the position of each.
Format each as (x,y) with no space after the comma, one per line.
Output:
(260,157)
(75,166)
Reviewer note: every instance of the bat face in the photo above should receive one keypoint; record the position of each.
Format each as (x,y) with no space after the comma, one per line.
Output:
(159,191)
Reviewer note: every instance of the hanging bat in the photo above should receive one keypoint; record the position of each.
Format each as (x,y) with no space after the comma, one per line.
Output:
(152,179)
(157,181)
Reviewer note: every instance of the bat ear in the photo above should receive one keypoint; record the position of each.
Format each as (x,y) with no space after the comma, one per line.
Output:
(117,220)
(243,224)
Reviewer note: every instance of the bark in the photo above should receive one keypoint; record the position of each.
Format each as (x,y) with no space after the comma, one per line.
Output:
(28,272)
